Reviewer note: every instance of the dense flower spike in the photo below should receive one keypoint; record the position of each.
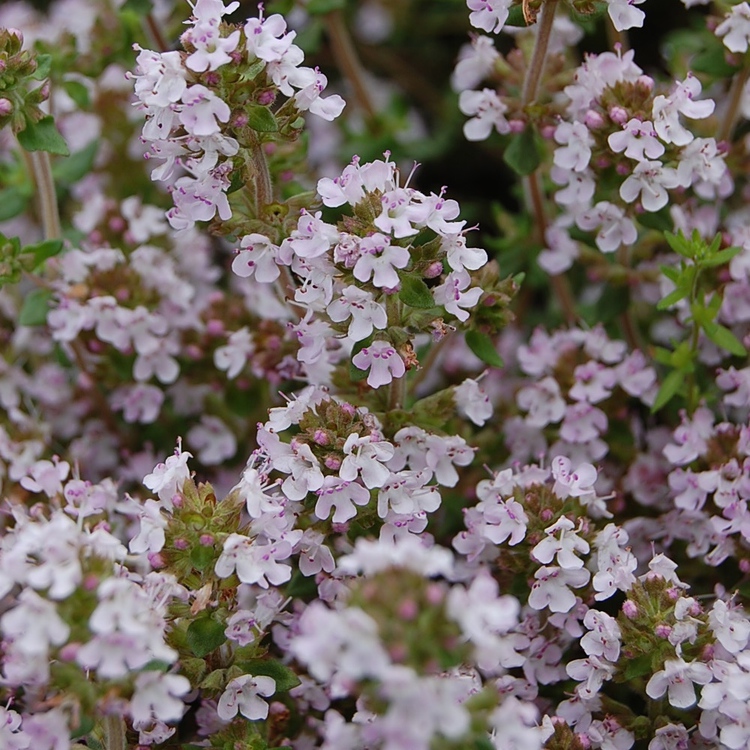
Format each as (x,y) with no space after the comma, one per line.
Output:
(410,505)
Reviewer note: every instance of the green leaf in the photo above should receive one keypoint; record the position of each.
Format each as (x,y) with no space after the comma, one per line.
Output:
(204,635)
(713,62)
(252,71)
(43,250)
(415,293)
(43,136)
(671,299)
(35,307)
(668,390)
(523,154)
(515,17)
(261,119)
(672,273)
(317,7)
(202,557)
(13,202)
(680,244)
(637,667)
(482,743)
(484,347)
(76,166)
(724,338)
(43,67)
(78,92)
(284,677)
(722,257)
(139,7)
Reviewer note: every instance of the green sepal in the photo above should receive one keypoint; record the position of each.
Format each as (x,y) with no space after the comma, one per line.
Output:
(202,557)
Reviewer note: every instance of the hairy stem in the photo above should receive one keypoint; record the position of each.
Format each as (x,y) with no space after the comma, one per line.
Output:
(559,283)
(532,183)
(41,169)
(159,41)
(262,185)
(349,64)
(114,733)
(726,128)
(538,57)
(629,327)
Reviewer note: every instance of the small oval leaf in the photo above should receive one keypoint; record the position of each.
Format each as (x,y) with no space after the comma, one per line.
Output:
(204,635)
(415,293)
(484,347)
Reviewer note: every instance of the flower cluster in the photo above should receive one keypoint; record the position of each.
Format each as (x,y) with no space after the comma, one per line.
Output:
(424,495)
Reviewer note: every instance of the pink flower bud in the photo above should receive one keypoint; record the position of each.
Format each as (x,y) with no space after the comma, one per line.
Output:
(267,97)
(194,351)
(435,593)
(593,119)
(156,560)
(69,651)
(6,107)
(618,115)
(662,631)
(630,609)
(408,609)
(333,463)
(321,437)
(645,82)
(516,126)
(546,515)
(206,540)
(116,224)
(215,327)
(181,544)
(177,500)
(623,168)
(433,270)
(548,132)
(745,565)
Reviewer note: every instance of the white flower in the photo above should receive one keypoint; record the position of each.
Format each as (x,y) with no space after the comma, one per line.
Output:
(650,180)
(487,111)
(624,15)
(383,362)
(551,588)
(735,28)
(472,401)
(243,694)
(157,695)
(489,15)
(677,679)
(359,305)
(576,141)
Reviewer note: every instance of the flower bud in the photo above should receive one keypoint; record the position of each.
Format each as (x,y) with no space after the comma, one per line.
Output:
(593,119)
(618,115)
(630,609)
(6,107)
